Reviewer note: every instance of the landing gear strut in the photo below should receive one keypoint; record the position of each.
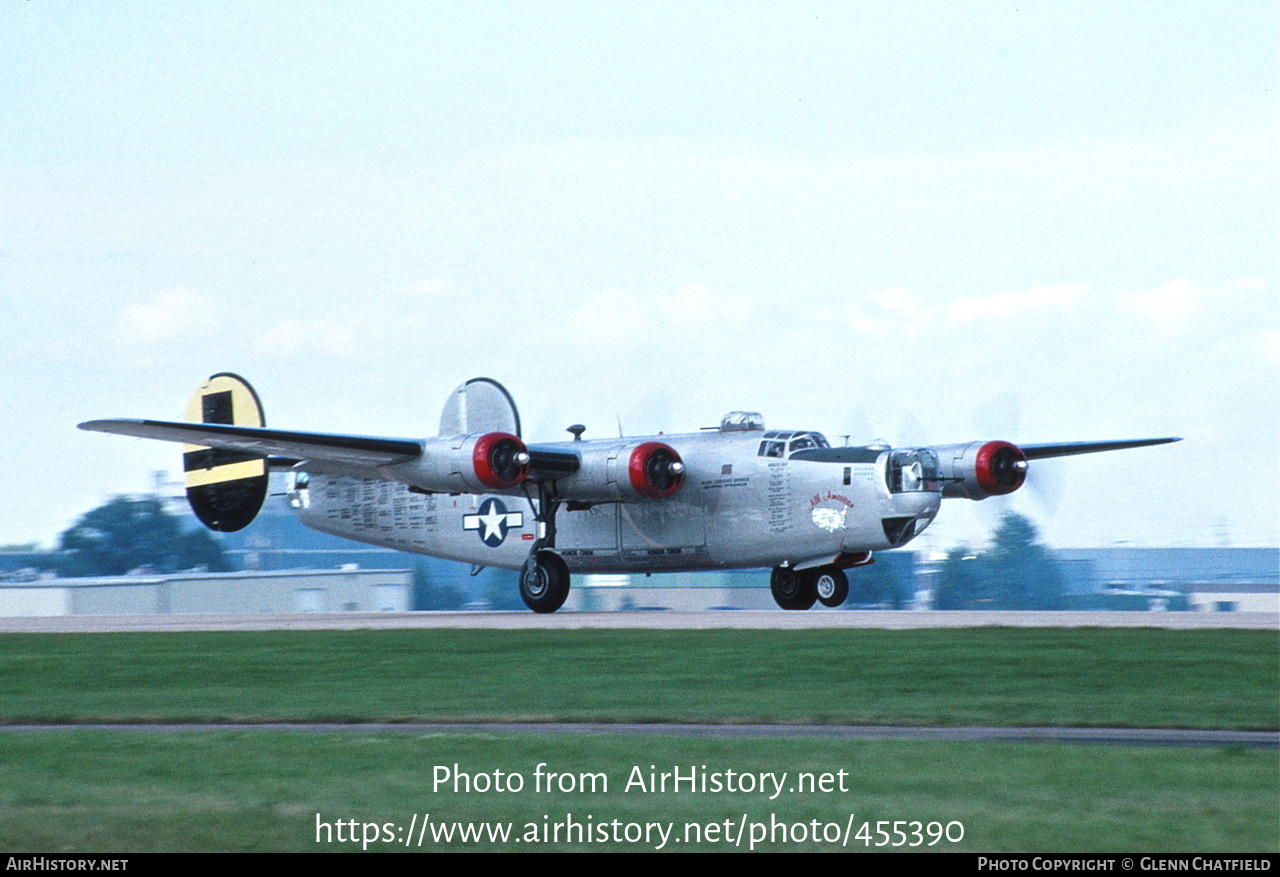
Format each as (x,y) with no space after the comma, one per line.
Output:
(544,578)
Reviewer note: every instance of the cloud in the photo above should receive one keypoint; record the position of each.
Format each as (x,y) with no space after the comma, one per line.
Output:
(901,301)
(883,309)
(612,317)
(433,288)
(170,315)
(1170,309)
(700,306)
(1006,304)
(1270,348)
(317,336)
(619,317)
(898,306)
(1252,284)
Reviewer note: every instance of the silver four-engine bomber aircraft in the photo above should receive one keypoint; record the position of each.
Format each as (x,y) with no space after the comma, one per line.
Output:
(734,497)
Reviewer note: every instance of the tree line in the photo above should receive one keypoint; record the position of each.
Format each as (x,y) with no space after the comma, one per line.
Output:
(1016,572)
(127,534)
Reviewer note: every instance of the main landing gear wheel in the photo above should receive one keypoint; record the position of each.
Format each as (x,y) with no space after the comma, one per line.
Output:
(792,590)
(544,582)
(831,585)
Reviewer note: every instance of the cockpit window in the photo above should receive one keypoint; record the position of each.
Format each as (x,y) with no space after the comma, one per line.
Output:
(773,449)
(778,443)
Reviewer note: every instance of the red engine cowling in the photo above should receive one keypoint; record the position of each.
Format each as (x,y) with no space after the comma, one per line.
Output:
(655,470)
(492,461)
(625,470)
(500,460)
(978,470)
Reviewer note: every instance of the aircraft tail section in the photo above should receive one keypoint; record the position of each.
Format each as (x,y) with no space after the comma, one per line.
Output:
(480,405)
(225,487)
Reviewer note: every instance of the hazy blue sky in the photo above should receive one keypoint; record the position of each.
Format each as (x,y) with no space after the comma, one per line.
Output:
(925,222)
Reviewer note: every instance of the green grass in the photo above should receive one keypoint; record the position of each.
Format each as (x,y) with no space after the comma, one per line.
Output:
(1084,677)
(80,790)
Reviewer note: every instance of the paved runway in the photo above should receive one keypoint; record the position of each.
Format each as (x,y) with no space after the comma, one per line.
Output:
(743,620)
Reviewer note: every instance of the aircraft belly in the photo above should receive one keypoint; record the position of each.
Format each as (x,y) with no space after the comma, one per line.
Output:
(587,539)
(367,510)
(662,535)
(485,530)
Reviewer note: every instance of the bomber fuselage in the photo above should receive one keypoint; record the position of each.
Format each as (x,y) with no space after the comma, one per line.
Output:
(747,500)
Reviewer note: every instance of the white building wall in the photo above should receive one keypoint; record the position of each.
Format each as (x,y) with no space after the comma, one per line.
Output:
(34,601)
(235,593)
(1201,601)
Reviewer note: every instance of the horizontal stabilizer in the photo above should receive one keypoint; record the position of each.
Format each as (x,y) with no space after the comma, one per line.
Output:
(347,449)
(1067,449)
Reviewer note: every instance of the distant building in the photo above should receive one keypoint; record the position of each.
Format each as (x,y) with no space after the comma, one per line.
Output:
(345,590)
(1196,579)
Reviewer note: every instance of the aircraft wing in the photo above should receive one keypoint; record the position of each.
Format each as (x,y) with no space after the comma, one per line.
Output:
(1067,449)
(548,463)
(362,456)
(260,441)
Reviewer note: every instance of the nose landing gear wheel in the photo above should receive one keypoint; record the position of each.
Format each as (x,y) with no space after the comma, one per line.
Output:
(792,590)
(831,585)
(544,582)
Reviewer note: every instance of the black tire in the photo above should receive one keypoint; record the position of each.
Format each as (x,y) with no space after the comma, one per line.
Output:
(544,582)
(831,585)
(792,590)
